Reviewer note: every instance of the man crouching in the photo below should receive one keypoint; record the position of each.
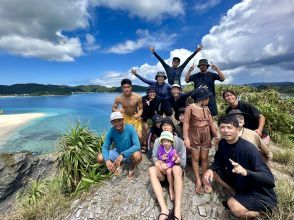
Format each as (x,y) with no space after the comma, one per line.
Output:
(126,146)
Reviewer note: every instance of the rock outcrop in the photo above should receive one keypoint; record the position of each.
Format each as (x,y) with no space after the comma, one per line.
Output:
(120,198)
(16,169)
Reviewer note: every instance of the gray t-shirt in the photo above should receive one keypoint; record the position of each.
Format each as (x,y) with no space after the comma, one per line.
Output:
(179,147)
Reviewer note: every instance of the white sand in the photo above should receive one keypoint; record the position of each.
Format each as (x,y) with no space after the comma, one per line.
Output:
(8,123)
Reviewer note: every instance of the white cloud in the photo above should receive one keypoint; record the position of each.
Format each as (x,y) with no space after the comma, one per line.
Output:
(252,32)
(202,6)
(146,70)
(33,29)
(145,39)
(154,10)
(90,44)
(253,43)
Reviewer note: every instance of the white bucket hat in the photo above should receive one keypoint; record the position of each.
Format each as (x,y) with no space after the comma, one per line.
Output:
(166,135)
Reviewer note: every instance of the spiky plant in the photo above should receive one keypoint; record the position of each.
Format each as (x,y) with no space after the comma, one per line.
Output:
(79,148)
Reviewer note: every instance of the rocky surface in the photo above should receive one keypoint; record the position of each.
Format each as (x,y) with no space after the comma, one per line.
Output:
(16,169)
(120,198)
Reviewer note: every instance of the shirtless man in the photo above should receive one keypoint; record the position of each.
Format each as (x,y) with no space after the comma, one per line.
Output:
(130,106)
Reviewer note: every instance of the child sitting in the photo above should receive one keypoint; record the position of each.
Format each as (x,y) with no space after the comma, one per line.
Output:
(198,127)
(153,133)
(167,156)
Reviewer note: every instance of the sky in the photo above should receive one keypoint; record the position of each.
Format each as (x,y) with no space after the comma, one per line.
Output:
(74,42)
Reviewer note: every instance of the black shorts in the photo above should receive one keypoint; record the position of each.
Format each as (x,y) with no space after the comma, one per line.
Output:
(252,202)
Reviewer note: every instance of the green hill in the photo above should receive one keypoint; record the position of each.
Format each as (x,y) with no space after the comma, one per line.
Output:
(40,89)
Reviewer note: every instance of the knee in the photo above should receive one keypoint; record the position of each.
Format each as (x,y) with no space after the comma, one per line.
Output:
(137,157)
(100,158)
(152,171)
(235,207)
(177,170)
(169,171)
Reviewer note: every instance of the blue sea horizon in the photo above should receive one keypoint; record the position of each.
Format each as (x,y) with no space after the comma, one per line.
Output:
(41,135)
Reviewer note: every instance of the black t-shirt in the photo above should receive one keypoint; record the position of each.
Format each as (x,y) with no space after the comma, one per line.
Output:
(259,181)
(206,79)
(251,114)
(150,108)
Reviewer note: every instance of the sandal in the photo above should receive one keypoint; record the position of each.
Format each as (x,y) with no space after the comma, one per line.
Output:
(207,189)
(118,171)
(143,149)
(131,174)
(199,190)
(162,214)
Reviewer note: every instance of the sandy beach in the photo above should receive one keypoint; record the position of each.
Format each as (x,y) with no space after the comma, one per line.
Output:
(8,123)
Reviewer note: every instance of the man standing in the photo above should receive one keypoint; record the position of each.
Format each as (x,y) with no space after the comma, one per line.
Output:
(254,120)
(238,166)
(131,106)
(206,79)
(175,71)
(126,146)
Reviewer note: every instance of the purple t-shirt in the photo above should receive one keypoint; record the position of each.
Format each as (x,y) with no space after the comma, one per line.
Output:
(170,161)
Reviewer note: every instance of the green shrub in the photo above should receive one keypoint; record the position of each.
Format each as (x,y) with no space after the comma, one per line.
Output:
(79,148)
(41,200)
(279,112)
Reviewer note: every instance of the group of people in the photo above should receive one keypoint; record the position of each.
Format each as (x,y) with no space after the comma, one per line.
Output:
(180,129)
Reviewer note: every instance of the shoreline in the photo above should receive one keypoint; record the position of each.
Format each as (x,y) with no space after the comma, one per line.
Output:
(10,122)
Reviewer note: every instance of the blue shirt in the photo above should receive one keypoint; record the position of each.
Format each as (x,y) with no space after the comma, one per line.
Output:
(126,142)
(163,91)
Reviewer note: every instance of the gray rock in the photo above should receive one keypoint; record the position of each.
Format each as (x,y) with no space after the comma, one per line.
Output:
(16,169)
(118,198)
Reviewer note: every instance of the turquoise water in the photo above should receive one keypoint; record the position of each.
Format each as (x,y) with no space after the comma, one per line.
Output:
(41,135)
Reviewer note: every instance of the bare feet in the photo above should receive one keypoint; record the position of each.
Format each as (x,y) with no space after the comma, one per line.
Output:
(131,174)
(198,188)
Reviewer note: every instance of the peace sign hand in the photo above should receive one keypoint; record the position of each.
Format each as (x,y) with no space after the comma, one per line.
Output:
(199,47)
(238,169)
(152,49)
(214,67)
(192,67)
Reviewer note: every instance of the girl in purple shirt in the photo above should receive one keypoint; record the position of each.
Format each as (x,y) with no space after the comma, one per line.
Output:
(167,156)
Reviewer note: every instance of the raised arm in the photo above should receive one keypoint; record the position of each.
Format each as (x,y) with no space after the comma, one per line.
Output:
(163,63)
(199,48)
(187,77)
(219,72)
(147,81)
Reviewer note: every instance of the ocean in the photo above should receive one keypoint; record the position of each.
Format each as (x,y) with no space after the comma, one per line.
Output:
(41,135)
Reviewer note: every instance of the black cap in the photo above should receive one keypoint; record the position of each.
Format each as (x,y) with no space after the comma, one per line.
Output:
(180,111)
(151,88)
(167,120)
(235,112)
(156,118)
(201,93)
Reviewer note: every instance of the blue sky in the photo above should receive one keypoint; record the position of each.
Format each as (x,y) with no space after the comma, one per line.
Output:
(97,41)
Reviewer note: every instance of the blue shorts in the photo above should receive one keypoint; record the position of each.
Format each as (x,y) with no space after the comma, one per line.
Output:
(113,155)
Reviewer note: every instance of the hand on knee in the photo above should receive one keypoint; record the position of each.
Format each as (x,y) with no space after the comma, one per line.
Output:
(100,158)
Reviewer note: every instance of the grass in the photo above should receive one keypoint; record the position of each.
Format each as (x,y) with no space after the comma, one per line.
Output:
(285,207)
(41,200)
